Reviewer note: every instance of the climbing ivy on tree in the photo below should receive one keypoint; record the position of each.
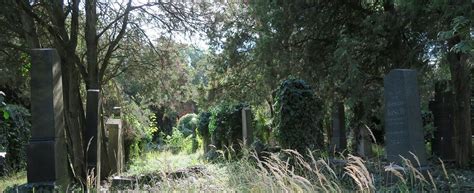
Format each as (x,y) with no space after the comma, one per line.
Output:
(225,125)
(298,116)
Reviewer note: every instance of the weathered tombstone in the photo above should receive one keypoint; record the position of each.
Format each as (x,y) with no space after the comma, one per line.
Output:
(338,137)
(442,109)
(46,152)
(247,131)
(403,126)
(364,146)
(115,147)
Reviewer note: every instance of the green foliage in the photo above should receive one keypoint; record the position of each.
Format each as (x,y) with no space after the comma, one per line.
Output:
(179,142)
(188,123)
(298,116)
(203,126)
(262,126)
(15,131)
(225,125)
(139,128)
(203,129)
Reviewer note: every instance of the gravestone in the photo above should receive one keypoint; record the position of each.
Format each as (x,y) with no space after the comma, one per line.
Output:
(247,131)
(442,109)
(403,126)
(364,145)
(115,147)
(46,151)
(338,138)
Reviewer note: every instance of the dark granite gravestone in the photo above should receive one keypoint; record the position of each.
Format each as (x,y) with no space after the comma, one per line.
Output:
(46,152)
(338,138)
(442,109)
(115,145)
(247,131)
(403,126)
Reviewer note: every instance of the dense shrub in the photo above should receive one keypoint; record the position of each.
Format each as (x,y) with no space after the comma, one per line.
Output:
(178,142)
(15,132)
(188,123)
(139,128)
(225,125)
(203,129)
(262,125)
(298,116)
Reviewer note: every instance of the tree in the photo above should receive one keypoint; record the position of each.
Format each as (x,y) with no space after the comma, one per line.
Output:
(89,41)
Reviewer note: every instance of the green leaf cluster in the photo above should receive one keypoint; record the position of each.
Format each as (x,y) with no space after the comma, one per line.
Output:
(15,132)
(298,116)
(188,123)
(225,125)
(203,126)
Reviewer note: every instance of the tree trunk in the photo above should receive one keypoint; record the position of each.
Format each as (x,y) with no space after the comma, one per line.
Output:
(93,88)
(74,116)
(460,73)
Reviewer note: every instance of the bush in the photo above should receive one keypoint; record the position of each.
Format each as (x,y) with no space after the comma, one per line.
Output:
(263,124)
(203,129)
(15,132)
(178,142)
(225,125)
(188,123)
(298,116)
(139,128)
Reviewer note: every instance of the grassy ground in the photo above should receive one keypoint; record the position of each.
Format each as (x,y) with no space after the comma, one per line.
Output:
(15,179)
(156,172)
(276,174)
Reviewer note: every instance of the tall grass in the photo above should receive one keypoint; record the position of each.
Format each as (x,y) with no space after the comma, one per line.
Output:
(289,171)
(286,171)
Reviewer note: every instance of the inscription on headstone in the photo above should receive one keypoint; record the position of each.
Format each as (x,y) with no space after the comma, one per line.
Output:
(46,153)
(338,138)
(403,126)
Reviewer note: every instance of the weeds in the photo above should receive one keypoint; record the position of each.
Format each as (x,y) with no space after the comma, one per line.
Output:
(286,171)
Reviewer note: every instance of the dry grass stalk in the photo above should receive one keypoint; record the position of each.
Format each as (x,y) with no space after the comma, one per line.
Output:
(358,172)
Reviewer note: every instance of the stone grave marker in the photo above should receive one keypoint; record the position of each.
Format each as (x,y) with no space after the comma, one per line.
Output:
(46,150)
(403,125)
(247,131)
(364,146)
(115,147)
(338,138)
(442,109)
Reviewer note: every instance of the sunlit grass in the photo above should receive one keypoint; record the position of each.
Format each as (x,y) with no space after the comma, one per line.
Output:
(278,174)
(14,179)
(165,161)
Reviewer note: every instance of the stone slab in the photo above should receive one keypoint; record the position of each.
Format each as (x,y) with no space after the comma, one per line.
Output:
(47,94)
(403,124)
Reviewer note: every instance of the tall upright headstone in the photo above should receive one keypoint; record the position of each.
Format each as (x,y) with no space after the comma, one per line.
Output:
(115,145)
(338,137)
(247,131)
(442,109)
(403,124)
(46,151)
